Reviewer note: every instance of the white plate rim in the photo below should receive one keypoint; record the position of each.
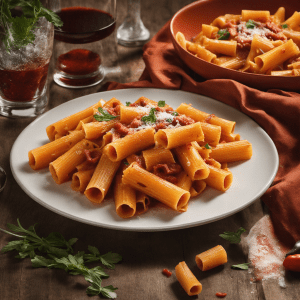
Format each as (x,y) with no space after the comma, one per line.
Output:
(125,224)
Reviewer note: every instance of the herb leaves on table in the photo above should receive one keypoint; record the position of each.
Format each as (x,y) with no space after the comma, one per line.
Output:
(55,252)
(233,237)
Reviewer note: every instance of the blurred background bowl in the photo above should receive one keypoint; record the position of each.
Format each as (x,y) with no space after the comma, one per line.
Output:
(189,19)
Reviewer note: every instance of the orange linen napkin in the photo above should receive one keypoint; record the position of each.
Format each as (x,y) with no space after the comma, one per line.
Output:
(276,111)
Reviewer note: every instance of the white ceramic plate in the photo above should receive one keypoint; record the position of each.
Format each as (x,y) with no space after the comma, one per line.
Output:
(251,178)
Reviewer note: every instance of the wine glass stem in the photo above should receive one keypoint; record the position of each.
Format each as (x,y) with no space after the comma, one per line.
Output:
(132,32)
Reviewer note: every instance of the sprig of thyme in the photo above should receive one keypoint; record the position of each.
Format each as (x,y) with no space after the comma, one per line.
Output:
(55,252)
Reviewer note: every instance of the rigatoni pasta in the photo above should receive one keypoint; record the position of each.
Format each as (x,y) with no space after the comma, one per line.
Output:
(143,151)
(211,258)
(187,279)
(254,42)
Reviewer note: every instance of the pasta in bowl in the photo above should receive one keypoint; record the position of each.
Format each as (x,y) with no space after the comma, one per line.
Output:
(254,45)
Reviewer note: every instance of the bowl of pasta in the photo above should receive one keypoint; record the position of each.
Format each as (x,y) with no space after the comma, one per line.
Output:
(256,43)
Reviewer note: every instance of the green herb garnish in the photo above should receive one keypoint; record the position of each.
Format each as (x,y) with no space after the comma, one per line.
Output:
(251,24)
(174,113)
(55,252)
(207,146)
(18,31)
(233,237)
(244,266)
(161,103)
(169,120)
(151,118)
(223,34)
(284,26)
(128,103)
(105,116)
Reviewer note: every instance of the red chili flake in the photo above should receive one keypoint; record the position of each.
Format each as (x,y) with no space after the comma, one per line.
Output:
(221,295)
(166,272)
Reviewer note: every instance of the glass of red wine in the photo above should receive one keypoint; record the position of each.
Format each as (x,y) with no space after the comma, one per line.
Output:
(77,49)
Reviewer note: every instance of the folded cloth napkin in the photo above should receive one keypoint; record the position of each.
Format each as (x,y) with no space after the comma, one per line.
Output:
(276,111)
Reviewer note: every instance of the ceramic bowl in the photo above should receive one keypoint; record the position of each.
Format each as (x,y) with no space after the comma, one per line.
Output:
(188,20)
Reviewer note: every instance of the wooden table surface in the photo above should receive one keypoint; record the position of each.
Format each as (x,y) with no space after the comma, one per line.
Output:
(145,254)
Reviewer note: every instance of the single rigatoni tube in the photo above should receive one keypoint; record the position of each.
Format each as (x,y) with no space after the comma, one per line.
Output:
(156,156)
(232,151)
(211,258)
(220,46)
(220,179)
(125,197)
(192,162)
(259,15)
(129,113)
(156,187)
(133,143)
(200,116)
(81,179)
(187,279)
(174,137)
(101,179)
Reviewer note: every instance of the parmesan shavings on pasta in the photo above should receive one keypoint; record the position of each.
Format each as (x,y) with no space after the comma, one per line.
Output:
(248,33)
(162,116)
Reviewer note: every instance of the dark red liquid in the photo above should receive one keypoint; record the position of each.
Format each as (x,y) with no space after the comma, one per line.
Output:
(22,85)
(78,62)
(84,25)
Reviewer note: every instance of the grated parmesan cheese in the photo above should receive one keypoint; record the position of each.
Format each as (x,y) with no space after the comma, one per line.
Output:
(248,33)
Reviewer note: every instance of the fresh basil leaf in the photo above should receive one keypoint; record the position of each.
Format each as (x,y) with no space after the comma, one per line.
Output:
(233,237)
(250,24)
(161,103)
(223,34)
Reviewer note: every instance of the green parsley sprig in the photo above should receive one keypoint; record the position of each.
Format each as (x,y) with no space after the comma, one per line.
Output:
(251,24)
(233,237)
(18,31)
(161,103)
(151,118)
(55,252)
(105,116)
(223,34)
